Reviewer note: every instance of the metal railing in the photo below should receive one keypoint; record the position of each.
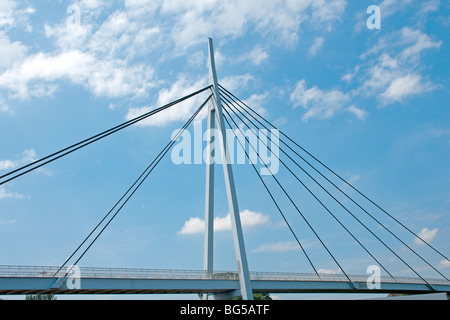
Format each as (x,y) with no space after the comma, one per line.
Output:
(137,273)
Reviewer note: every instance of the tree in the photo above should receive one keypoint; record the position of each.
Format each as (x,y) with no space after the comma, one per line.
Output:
(49,296)
(256,296)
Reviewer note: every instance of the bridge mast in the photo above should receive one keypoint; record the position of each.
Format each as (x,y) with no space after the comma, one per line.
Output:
(209,196)
(215,112)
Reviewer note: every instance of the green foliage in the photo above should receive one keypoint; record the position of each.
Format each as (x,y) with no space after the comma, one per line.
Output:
(40,297)
(256,296)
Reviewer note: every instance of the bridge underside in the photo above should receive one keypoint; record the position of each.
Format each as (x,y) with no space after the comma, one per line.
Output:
(23,286)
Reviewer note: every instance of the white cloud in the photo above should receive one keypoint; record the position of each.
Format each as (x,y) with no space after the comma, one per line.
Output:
(42,67)
(4,106)
(193,226)
(11,221)
(278,247)
(7,8)
(389,7)
(92,55)
(357,112)
(393,71)
(26,157)
(318,103)
(279,20)
(429,6)
(12,15)
(111,78)
(4,194)
(248,219)
(328,12)
(444,264)
(256,102)
(10,52)
(7,165)
(182,111)
(100,55)
(427,235)
(257,56)
(253,219)
(69,36)
(316,46)
(90,5)
(404,87)
(384,69)
(141,7)
(416,42)
(348,77)
(121,35)
(232,83)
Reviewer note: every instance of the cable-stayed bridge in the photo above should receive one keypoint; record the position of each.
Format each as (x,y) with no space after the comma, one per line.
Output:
(34,280)
(226,110)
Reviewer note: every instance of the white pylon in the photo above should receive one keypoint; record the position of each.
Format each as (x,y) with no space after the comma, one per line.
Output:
(215,113)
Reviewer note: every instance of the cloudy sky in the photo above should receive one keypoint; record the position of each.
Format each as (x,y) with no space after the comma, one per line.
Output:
(370,103)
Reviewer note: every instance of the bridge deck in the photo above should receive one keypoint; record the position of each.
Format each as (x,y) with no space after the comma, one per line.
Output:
(32,280)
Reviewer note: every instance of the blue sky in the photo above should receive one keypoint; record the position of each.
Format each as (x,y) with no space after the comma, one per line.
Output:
(371,104)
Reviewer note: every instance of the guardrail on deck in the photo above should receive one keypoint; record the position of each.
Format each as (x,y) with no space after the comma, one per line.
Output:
(136,273)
